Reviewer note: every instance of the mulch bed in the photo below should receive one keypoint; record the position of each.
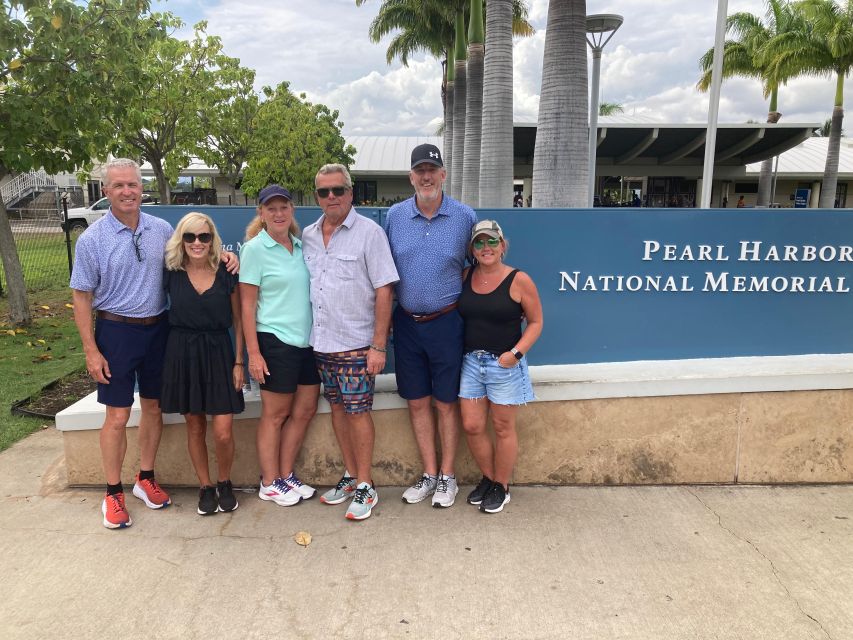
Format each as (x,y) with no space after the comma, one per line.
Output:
(57,396)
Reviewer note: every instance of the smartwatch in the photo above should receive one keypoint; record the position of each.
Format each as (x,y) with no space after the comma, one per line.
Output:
(518,354)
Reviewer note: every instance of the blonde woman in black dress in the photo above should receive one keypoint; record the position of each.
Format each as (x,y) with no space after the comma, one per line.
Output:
(201,375)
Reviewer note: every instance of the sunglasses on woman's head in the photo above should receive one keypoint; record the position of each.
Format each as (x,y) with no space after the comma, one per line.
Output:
(492,242)
(204,238)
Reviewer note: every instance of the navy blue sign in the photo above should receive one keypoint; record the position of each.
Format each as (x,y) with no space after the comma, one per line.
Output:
(660,284)
(801,198)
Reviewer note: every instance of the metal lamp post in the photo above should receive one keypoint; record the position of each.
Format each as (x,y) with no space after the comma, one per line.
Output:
(599,29)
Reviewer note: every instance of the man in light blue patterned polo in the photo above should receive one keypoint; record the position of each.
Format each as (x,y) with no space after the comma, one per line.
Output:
(429,235)
(352,275)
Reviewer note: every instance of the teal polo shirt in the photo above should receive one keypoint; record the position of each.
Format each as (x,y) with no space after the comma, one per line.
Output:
(284,302)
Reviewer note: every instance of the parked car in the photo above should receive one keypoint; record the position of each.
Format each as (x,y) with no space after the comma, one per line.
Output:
(81,217)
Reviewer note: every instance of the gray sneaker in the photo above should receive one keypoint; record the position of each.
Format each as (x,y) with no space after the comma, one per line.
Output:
(445,491)
(344,490)
(422,489)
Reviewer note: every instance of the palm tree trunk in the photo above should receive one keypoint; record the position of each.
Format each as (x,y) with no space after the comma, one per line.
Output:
(765,178)
(830,172)
(560,160)
(16,288)
(448,132)
(459,104)
(473,126)
(496,149)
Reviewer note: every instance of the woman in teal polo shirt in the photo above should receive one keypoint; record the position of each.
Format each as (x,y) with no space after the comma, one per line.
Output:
(276,313)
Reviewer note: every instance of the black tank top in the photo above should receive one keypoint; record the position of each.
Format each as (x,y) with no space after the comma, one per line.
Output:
(492,320)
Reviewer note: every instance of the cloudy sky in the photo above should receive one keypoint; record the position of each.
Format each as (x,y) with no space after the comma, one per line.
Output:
(650,66)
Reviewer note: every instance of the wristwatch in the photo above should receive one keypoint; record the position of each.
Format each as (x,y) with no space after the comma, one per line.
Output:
(518,354)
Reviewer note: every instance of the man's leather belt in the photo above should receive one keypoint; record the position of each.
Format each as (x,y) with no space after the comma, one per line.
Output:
(426,317)
(106,315)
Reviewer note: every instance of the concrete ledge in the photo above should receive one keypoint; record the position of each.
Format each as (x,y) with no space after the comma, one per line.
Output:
(773,419)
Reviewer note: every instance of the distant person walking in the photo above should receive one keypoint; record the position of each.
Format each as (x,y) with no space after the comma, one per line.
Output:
(740,203)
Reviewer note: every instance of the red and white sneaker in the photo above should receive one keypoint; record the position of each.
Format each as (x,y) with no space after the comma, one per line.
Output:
(279,492)
(115,512)
(151,493)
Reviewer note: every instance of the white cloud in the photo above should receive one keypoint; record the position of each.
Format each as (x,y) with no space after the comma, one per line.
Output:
(650,66)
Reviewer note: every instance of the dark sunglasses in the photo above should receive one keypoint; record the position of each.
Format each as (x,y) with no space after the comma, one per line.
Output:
(492,242)
(140,254)
(204,238)
(324,192)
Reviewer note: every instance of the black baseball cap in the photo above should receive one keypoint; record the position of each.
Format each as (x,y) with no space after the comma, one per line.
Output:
(426,153)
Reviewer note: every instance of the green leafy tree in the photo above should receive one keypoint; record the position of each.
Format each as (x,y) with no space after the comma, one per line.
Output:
(745,55)
(228,122)
(292,138)
(179,81)
(65,68)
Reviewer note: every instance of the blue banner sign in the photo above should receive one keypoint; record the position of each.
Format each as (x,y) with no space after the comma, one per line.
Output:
(663,284)
(801,198)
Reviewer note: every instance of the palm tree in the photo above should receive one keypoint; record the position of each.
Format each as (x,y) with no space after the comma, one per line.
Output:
(449,92)
(474,107)
(460,97)
(496,149)
(825,129)
(560,157)
(745,56)
(827,50)
(610,108)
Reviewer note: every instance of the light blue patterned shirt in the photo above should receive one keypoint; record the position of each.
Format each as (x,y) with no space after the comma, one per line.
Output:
(106,264)
(429,252)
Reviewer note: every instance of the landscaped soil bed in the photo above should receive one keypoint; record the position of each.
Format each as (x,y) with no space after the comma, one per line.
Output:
(57,395)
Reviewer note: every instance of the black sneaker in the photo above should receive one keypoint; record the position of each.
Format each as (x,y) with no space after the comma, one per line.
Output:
(480,491)
(496,499)
(207,501)
(227,499)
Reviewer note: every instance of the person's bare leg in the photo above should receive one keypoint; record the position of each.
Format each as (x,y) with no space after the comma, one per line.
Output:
(362,439)
(296,426)
(150,430)
(275,408)
(448,434)
(113,439)
(474,417)
(223,439)
(197,446)
(343,435)
(506,441)
(423,426)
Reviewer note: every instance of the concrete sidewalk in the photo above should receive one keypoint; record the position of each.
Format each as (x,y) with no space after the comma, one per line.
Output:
(573,562)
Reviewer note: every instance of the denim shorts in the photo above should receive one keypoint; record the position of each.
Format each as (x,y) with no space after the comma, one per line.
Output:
(484,377)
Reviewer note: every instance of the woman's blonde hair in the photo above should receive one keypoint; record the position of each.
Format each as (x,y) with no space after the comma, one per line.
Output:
(176,256)
(258,223)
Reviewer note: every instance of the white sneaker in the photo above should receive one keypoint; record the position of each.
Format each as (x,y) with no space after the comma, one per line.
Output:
(299,487)
(279,492)
(422,489)
(445,491)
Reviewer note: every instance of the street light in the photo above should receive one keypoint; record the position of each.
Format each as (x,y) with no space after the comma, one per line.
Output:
(599,29)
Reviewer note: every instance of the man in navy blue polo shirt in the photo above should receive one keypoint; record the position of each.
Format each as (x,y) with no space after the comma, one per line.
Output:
(429,235)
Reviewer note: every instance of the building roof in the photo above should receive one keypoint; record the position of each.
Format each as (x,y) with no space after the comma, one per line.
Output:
(387,155)
(808,159)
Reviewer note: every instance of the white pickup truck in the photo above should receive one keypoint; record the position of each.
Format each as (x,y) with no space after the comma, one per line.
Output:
(81,217)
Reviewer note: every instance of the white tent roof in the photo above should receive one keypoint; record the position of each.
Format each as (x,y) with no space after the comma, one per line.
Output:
(807,160)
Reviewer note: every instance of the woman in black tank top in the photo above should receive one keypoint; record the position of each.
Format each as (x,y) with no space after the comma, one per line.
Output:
(495,299)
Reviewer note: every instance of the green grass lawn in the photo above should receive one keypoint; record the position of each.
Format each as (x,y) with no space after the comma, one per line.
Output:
(35,357)
(44,260)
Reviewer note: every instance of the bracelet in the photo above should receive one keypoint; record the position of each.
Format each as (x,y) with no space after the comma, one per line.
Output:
(375,348)
(239,364)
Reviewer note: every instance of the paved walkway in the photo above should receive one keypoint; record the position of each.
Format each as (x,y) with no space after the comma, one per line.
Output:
(573,562)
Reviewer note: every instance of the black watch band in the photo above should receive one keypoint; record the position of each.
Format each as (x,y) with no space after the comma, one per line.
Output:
(518,354)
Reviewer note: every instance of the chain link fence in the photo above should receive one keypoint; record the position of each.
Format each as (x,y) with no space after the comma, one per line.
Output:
(41,241)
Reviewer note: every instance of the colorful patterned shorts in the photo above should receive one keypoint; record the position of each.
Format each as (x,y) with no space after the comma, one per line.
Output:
(345,379)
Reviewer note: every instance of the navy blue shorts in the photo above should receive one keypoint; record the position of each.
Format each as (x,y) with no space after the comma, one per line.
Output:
(428,356)
(135,353)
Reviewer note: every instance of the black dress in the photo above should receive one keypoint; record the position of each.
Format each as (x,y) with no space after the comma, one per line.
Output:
(199,363)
